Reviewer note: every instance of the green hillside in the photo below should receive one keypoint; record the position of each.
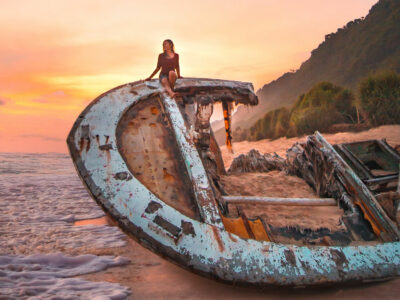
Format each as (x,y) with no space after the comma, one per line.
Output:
(328,107)
(344,58)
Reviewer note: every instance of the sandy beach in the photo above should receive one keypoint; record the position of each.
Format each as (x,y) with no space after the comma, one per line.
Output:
(150,277)
(389,132)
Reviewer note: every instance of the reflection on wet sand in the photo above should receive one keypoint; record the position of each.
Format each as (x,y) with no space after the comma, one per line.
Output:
(97,221)
(151,277)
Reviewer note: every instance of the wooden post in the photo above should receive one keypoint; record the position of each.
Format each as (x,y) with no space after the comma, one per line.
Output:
(226,106)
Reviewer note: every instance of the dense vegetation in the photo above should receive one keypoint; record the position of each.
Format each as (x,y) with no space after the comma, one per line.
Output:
(326,104)
(345,57)
(380,98)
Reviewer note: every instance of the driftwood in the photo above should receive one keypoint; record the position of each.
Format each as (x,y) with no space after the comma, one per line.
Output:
(254,161)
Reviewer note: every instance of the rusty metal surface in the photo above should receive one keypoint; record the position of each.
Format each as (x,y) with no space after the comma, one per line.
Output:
(204,247)
(147,144)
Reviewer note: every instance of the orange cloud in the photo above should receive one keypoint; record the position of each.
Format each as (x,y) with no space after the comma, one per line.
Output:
(3,101)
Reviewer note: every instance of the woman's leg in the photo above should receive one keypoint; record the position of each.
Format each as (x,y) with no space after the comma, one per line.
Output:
(172,78)
(167,87)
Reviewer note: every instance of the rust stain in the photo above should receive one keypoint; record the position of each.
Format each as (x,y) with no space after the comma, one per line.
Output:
(265,248)
(88,145)
(154,110)
(106,147)
(218,238)
(187,228)
(152,207)
(168,177)
(369,217)
(290,257)
(81,144)
(108,155)
(232,238)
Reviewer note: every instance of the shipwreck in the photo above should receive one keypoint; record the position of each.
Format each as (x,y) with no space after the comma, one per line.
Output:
(154,166)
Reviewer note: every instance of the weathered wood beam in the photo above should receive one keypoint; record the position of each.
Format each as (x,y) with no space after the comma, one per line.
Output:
(359,190)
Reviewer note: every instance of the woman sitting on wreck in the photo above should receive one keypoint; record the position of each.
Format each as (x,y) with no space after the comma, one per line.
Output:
(168,62)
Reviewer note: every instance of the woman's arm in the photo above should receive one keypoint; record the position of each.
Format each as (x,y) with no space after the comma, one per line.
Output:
(178,71)
(154,73)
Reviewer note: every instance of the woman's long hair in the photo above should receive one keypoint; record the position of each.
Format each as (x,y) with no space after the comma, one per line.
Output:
(172,45)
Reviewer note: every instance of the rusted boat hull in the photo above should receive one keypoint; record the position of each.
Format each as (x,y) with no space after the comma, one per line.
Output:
(200,243)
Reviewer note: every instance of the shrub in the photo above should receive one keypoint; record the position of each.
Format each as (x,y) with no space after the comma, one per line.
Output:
(324,105)
(380,98)
(273,125)
(316,118)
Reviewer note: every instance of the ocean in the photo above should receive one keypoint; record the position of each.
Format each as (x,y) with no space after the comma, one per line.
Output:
(42,250)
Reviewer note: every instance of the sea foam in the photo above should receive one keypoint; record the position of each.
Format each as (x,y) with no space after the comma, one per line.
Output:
(41,197)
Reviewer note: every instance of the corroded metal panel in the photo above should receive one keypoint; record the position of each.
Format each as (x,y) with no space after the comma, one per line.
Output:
(204,248)
(147,143)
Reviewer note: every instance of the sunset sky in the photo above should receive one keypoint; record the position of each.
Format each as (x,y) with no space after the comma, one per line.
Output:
(56,56)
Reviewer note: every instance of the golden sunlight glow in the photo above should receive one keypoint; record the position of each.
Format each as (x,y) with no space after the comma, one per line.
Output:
(57,56)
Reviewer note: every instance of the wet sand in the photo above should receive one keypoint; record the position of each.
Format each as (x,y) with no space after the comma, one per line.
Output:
(151,277)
